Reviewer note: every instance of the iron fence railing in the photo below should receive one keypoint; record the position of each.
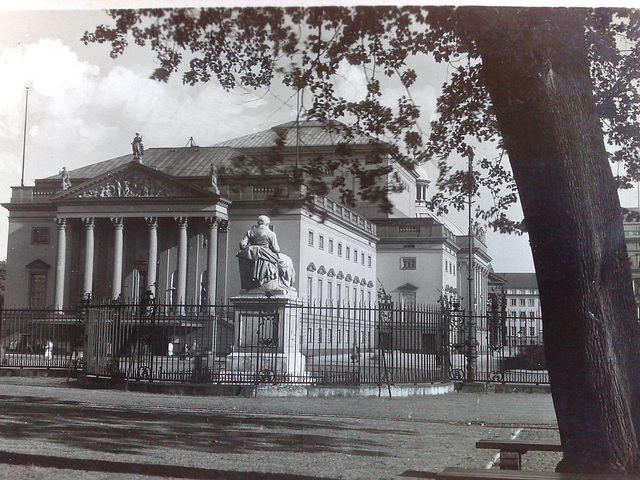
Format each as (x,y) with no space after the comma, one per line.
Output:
(41,338)
(289,343)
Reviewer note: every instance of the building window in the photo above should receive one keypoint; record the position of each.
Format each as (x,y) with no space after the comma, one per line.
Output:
(338,292)
(320,290)
(532,302)
(310,238)
(362,258)
(348,253)
(40,235)
(330,245)
(355,255)
(522,302)
(339,249)
(513,302)
(37,290)
(321,242)
(532,331)
(369,261)
(329,291)
(320,335)
(309,288)
(408,263)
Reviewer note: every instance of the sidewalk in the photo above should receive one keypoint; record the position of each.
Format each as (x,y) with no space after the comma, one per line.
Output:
(71,433)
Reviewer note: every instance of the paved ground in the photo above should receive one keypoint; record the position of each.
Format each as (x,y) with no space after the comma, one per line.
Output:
(52,430)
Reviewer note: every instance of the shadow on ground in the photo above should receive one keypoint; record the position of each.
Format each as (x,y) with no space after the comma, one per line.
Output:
(156,470)
(136,430)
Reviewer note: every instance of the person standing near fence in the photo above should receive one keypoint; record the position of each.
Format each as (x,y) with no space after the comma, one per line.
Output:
(48,350)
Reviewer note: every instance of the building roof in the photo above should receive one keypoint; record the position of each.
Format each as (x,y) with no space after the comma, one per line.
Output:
(305,134)
(520,280)
(181,162)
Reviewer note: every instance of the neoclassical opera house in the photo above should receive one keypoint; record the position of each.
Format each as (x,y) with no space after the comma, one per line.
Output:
(164,220)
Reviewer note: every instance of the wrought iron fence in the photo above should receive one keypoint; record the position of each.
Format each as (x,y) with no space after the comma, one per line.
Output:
(41,338)
(277,343)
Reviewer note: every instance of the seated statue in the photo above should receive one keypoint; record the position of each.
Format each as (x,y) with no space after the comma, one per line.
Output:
(260,261)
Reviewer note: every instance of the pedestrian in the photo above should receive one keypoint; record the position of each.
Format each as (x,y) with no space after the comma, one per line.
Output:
(48,350)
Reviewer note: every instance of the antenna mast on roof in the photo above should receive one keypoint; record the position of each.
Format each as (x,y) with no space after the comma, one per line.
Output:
(297,126)
(24,139)
(191,143)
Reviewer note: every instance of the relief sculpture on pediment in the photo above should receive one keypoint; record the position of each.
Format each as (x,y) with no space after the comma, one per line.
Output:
(135,186)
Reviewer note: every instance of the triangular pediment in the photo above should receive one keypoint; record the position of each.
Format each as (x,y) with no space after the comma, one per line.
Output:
(406,288)
(134,180)
(38,265)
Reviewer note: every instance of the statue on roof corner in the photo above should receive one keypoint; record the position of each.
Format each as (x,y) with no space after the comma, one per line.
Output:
(262,266)
(66,181)
(213,179)
(138,148)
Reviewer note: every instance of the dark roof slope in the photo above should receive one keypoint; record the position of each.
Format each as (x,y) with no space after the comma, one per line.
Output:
(520,280)
(305,134)
(181,162)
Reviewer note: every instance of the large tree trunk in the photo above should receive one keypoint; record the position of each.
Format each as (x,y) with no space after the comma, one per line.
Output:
(536,69)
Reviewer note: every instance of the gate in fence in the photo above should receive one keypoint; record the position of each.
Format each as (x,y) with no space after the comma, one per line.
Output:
(281,343)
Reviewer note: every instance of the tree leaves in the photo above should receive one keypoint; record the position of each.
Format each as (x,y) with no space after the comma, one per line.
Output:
(306,48)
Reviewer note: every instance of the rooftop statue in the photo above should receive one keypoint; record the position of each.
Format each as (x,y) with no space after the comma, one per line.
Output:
(138,148)
(213,179)
(261,264)
(66,181)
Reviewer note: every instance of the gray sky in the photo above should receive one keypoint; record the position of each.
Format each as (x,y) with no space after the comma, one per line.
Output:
(85,107)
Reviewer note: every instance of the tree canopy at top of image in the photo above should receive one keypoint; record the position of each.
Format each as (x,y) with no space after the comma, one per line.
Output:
(305,48)
(547,85)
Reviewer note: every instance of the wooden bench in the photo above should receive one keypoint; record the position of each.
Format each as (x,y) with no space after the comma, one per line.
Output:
(511,451)
(455,473)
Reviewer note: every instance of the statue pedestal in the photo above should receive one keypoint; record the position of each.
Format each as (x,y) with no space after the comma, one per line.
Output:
(267,336)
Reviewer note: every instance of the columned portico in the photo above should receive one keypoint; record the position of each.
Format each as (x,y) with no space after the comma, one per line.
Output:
(118,246)
(87,285)
(61,261)
(212,259)
(181,286)
(152,272)
(223,241)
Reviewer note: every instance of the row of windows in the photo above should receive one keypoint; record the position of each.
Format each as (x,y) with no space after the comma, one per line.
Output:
(522,331)
(523,314)
(339,249)
(340,296)
(523,302)
(449,267)
(511,291)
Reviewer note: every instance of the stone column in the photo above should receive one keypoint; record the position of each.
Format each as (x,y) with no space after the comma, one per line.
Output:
(87,288)
(152,263)
(61,262)
(118,248)
(223,240)
(212,259)
(181,287)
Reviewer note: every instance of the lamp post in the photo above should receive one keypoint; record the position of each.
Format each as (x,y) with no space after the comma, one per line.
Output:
(471,350)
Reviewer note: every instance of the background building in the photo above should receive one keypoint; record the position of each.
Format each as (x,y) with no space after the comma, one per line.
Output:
(524,316)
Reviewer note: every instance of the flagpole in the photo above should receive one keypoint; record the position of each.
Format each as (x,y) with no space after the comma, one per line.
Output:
(24,139)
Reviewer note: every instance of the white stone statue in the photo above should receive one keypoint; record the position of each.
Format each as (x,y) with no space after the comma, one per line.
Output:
(261,264)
